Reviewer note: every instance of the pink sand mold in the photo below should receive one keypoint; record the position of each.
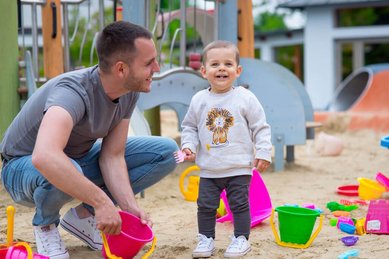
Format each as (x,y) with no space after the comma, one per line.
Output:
(382,179)
(343,219)
(259,198)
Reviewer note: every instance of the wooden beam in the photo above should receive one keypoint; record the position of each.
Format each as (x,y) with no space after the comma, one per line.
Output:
(245,29)
(52,39)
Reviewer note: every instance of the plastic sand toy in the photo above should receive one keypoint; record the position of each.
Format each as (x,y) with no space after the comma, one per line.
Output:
(348,254)
(377,218)
(348,190)
(334,206)
(349,240)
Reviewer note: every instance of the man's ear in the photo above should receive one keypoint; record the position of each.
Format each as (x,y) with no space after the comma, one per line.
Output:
(120,69)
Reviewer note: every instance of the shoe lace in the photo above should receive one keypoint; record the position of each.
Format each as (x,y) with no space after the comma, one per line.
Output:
(51,241)
(237,243)
(203,241)
(92,223)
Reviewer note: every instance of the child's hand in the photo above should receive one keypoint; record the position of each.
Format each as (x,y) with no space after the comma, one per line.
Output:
(189,155)
(261,165)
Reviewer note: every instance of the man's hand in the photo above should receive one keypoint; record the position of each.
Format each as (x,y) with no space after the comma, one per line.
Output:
(108,219)
(145,218)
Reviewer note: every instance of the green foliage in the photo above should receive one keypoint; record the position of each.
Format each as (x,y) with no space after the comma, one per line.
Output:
(268,21)
(347,60)
(288,56)
(356,17)
(376,53)
(77,46)
(363,16)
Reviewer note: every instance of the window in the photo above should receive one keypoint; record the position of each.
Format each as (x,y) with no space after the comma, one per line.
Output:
(362,16)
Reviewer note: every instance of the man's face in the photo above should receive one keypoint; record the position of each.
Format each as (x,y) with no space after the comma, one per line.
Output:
(142,67)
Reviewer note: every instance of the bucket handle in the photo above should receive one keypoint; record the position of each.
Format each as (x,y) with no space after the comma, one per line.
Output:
(184,174)
(27,247)
(112,256)
(293,245)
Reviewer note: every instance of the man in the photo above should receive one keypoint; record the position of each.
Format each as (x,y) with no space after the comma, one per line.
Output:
(70,141)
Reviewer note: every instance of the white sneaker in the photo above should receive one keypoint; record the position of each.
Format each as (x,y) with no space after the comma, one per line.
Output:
(239,246)
(49,242)
(205,247)
(84,229)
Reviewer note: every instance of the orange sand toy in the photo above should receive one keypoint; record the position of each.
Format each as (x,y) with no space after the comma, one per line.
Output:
(362,99)
(340,213)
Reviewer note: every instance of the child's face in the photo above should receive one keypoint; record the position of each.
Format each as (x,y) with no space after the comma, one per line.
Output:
(221,69)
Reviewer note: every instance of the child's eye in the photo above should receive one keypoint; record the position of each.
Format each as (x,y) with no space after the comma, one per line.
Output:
(214,64)
(228,64)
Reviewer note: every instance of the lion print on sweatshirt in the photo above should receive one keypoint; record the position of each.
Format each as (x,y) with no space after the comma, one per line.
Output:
(218,121)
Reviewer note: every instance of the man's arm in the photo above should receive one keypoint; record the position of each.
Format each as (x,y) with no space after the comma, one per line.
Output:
(48,157)
(114,170)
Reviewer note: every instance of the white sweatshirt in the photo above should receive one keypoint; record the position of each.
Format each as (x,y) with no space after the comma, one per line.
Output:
(226,131)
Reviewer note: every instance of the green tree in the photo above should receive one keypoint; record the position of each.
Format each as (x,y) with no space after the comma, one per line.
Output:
(268,20)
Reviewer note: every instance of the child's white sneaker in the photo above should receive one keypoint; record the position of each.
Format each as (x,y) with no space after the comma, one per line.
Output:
(239,246)
(205,247)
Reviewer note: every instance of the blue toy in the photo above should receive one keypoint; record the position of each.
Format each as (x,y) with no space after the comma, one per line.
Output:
(348,254)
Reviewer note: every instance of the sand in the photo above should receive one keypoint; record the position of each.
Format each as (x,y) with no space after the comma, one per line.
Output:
(312,178)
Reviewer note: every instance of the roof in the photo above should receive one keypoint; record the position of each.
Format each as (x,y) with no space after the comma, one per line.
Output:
(301,4)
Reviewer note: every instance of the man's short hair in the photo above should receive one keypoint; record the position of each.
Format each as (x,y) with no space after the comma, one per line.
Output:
(217,44)
(117,42)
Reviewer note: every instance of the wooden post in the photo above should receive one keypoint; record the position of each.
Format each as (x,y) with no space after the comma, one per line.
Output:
(52,39)
(9,99)
(153,115)
(245,29)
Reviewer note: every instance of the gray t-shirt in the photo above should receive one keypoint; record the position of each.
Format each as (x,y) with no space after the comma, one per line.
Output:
(82,95)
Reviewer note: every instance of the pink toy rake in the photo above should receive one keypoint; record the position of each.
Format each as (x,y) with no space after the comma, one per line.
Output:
(259,198)
(179,156)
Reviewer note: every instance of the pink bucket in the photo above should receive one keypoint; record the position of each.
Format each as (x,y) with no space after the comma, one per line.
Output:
(133,236)
(19,252)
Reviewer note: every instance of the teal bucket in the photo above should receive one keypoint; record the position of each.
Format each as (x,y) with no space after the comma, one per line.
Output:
(296,224)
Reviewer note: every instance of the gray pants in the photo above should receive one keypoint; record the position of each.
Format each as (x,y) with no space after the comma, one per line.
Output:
(237,188)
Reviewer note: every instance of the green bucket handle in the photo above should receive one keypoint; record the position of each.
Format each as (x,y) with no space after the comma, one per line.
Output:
(293,245)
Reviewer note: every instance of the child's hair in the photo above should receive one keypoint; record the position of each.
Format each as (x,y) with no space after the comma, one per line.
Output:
(218,44)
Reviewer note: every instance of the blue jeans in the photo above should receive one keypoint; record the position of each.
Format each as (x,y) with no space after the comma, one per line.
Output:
(148,159)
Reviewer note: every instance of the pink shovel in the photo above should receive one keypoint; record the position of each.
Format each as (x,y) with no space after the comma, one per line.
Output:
(259,198)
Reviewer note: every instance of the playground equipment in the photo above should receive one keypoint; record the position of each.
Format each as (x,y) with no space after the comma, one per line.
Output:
(285,101)
(295,226)
(362,97)
(287,114)
(133,236)
(259,198)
